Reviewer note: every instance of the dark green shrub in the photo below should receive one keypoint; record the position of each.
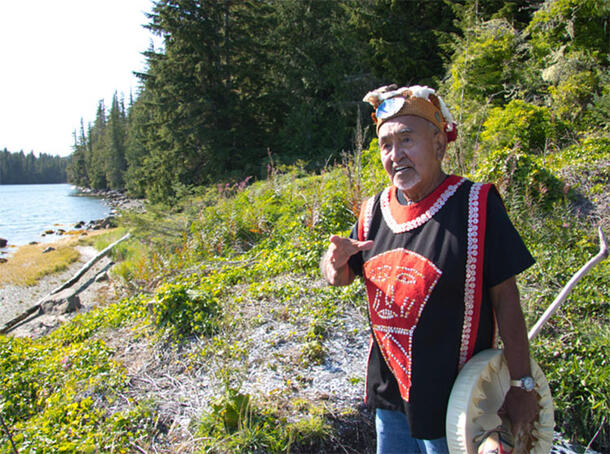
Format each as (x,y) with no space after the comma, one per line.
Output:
(520,178)
(486,65)
(186,309)
(518,123)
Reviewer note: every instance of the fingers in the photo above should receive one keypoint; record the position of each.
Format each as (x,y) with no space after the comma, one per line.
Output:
(349,244)
(341,249)
(521,408)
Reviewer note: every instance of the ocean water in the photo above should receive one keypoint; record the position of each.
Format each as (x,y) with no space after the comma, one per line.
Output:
(28,210)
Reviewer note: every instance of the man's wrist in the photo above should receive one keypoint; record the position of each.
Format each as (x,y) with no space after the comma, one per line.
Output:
(527,383)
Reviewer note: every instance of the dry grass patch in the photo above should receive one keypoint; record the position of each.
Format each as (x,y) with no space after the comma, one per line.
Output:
(29,264)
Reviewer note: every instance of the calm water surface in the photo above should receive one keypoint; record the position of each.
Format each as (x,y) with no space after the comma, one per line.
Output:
(27,210)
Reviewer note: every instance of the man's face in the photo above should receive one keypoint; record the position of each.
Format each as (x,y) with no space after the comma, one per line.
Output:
(411,154)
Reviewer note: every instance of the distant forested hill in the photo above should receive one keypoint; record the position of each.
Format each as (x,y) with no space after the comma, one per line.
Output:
(19,168)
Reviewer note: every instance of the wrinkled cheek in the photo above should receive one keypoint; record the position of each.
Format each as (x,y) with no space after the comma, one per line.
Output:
(388,170)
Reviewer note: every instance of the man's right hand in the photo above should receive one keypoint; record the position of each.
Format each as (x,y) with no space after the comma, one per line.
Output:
(334,263)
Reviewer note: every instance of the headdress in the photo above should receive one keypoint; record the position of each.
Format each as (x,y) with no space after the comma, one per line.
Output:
(422,101)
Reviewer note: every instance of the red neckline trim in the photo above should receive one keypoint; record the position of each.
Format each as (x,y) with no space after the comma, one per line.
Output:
(405,213)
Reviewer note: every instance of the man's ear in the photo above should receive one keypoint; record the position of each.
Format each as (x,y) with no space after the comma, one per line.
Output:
(440,145)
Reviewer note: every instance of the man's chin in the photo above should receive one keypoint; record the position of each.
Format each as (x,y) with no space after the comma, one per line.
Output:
(403,185)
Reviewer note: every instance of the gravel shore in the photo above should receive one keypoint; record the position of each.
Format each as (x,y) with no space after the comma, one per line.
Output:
(14,299)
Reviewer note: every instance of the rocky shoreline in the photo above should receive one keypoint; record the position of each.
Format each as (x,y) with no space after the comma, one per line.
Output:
(15,299)
(117,201)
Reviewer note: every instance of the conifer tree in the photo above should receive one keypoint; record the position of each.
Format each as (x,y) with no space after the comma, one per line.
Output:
(96,169)
(77,167)
(406,40)
(114,142)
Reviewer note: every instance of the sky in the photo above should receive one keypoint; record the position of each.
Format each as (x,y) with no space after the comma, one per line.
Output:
(58,59)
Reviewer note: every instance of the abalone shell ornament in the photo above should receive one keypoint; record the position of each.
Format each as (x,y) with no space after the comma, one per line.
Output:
(389,107)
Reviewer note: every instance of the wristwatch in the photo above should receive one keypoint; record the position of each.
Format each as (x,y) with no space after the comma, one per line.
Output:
(527,383)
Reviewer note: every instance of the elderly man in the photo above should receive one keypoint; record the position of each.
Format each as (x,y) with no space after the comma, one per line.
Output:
(439,257)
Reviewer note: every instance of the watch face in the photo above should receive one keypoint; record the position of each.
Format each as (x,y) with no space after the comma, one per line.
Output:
(528,383)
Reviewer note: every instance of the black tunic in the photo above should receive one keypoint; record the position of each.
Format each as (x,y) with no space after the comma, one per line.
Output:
(419,292)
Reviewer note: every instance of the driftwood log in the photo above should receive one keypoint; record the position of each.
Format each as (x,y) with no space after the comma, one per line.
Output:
(8,326)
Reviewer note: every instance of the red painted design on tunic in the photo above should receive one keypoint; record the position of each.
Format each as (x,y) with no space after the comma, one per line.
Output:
(399,283)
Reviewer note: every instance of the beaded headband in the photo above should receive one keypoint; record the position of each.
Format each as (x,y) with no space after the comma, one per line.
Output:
(421,101)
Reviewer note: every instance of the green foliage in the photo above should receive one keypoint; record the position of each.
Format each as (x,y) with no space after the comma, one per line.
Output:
(404,41)
(486,71)
(578,373)
(521,178)
(520,124)
(516,12)
(313,352)
(56,392)
(236,424)
(187,309)
(486,65)
(574,80)
(580,25)
(115,143)
(592,149)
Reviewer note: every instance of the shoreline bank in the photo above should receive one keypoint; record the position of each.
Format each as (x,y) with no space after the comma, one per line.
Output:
(15,299)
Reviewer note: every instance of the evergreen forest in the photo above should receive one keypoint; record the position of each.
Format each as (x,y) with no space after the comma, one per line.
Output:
(249,141)
(236,82)
(19,168)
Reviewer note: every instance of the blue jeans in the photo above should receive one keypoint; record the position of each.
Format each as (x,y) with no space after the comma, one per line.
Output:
(394,436)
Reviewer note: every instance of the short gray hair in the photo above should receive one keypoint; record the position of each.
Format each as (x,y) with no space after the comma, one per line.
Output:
(433,127)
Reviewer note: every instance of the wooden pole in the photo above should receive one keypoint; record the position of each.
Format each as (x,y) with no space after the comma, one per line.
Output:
(603,253)
(11,323)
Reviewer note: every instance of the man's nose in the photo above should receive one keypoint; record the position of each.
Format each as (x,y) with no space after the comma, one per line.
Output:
(396,153)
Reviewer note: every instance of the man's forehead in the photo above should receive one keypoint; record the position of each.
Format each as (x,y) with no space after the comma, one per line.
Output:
(401,125)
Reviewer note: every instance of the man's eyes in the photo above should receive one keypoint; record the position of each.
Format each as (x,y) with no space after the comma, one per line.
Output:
(388,145)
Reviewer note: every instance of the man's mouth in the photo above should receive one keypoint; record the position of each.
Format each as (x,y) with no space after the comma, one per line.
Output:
(401,168)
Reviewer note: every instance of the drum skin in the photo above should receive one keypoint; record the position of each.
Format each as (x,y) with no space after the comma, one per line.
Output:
(477,395)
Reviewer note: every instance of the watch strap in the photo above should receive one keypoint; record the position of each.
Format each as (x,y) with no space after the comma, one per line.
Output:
(522,383)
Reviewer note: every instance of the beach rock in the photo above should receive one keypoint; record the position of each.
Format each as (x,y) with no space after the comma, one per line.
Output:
(49,249)
(63,302)
(49,232)
(3,242)
(105,223)
(33,243)
(3,260)
(80,225)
